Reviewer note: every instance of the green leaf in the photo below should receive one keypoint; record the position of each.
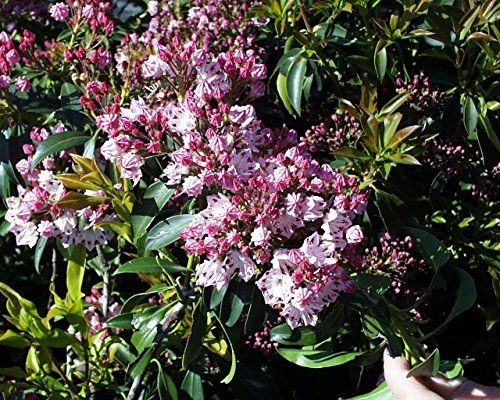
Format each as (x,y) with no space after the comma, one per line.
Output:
(217,296)
(434,251)
(401,135)
(13,339)
(154,199)
(13,372)
(40,246)
(75,272)
(4,181)
(470,115)
(165,385)
(79,201)
(382,392)
(192,386)
(402,158)
(465,297)
(123,321)
(138,366)
(316,358)
(256,314)
(303,335)
(56,143)
(490,131)
(168,231)
(294,83)
(198,332)
(282,91)
(134,300)
(148,265)
(451,369)
(232,371)
(380,61)
(232,307)
(429,367)
(393,104)
(391,123)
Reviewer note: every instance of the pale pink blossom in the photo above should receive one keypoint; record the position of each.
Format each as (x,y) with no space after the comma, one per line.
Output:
(131,166)
(354,234)
(192,186)
(59,11)
(4,81)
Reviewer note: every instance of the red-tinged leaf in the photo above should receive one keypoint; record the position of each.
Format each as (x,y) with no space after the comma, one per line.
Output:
(402,158)
(79,201)
(401,135)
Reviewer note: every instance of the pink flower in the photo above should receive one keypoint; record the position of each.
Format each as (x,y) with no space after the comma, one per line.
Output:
(4,81)
(4,38)
(59,11)
(131,166)
(261,236)
(243,116)
(23,84)
(354,235)
(154,67)
(238,261)
(110,150)
(193,186)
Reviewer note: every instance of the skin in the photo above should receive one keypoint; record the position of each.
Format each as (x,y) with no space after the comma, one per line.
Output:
(435,388)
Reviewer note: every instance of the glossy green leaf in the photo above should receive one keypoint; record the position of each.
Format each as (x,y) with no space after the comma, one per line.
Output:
(380,62)
(40,247)
(165,385)
(232,307)
(465,297)
(393,104)
(490,132)
(282,91)
(138,366)
(429,367)
(316,358)
(402,158)
(294,83)
(154,199)
(198,332)
(470,115)
(232,371)
(123,321)
(10,338)
(192,386)
(75,271)
(148,265)
(79,201)
(168,231)
(283,334)
(56,143)
(431,248)
(256,314)
(382,392)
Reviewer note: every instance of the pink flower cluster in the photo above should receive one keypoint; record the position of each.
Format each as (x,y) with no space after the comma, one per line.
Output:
(190,124)
(9,57)
(339,130)
(423,98)
(94,312)
(398,259)
(270,195)
(212,24)
(34,214)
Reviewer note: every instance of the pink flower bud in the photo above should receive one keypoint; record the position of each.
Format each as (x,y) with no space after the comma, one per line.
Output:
(23,84)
